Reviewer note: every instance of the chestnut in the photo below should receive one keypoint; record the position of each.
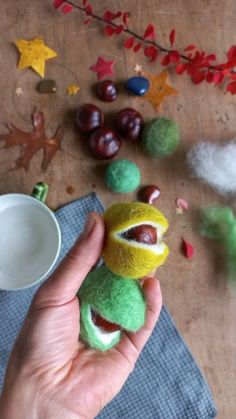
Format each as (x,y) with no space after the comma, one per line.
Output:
(104,143)
(149,194)
(107,90)
(143,233)
(129,124)
(88,117)
(104,324)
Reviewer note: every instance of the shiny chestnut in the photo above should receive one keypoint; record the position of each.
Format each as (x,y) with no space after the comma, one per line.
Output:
(144,233)
(107,90)
(149,194)
(104,143)
(129,124)
(88,117)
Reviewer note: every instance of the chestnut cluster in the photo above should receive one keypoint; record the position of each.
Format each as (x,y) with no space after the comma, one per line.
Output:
(104,143)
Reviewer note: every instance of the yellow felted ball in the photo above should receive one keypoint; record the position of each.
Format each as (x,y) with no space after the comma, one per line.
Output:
(128,257)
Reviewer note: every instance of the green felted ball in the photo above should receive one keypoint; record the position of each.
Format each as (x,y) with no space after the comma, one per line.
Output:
(122,176)
(160,137)
(117,300)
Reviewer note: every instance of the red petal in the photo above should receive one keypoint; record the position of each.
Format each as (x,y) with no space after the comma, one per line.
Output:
(67,8)
(109,30)
(232,76)
(137,47)
(166,59)
(111,16)
(187,249)
(198,77)
(174,56)
(149,32)
(58,3)
(231,88)
(231,54)
(119,29)
(84,2)
(125,17)
(209,77)
(218,77)
(129,42)
(151,52)
(172,37)
(180,68)
(190,47)
(88,9)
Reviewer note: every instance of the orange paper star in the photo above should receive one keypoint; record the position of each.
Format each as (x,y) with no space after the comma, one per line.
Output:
(73,89)
(159,89)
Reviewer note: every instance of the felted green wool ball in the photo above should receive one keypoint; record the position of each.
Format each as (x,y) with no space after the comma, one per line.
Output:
(115,300)
(160,137)
(122,176)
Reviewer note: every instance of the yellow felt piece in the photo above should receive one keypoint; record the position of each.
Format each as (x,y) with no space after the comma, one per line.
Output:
(34,54)
(123,257)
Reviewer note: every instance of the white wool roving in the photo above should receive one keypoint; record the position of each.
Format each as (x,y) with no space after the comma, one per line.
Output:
(215,164)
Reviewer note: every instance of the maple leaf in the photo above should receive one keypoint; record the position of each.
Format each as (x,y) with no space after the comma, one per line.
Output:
(159,89)
(103,68)
(31,142)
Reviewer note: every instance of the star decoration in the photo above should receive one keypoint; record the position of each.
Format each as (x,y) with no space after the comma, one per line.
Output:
(34,54)
(73,89)
(103,68)
(138,69)
(159,89)
(19,91)
(179,211)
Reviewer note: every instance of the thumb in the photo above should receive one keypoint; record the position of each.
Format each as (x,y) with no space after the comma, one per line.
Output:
(64,283)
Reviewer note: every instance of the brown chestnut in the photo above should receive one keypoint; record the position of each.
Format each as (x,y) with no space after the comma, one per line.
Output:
(104,143)
(107,90)
(149,194)
(129,124)
(144,233)
(89,117)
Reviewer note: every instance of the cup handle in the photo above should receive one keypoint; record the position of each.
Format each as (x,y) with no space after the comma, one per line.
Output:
(40,191)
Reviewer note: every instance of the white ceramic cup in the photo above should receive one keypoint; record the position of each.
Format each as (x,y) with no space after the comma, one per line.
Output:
(30,239)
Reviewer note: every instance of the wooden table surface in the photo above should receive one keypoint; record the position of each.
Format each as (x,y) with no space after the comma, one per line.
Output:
(195,291)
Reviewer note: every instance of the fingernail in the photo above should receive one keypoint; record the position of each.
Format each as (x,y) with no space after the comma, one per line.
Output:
(89,225)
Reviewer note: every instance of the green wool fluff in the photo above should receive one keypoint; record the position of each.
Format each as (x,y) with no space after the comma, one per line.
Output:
(122,176)
(160,137)
(219,223)
(116,299)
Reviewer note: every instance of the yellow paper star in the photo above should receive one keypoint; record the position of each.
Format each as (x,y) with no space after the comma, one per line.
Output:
(73,89)
(159,89)
(34,54)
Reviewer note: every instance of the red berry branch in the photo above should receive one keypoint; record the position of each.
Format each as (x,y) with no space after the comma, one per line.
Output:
(194,62)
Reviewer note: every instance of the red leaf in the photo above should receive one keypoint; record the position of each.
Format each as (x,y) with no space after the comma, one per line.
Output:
(180,68)
(231,88)
(218,77)
(172,38)
(125,17)
(84,2)
(149,32)
(89,9)
(190,47)
(209,77)
(151,52)
(137,47)
(109,30)
(198,77)
(166,59)
(211,57)
(129,42)
(232,76)
(174,56)
(111,16)
(187,249)
(67,8)
(119,29)
(58,3)
(231,54)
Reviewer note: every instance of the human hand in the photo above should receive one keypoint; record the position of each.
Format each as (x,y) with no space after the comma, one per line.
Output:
(51,374)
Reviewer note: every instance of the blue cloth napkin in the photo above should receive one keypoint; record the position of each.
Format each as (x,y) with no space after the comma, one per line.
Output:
(166,383)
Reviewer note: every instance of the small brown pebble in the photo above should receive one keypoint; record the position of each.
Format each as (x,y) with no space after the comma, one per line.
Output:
(70,190)
(149,194)
(47,86)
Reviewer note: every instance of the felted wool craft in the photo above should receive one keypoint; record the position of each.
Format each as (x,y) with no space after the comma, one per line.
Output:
(219,223)
(108,305)
(122,176)
(215,165)
(160,137)
(133,244)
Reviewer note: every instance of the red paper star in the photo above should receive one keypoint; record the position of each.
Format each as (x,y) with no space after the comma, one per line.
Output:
(103,68)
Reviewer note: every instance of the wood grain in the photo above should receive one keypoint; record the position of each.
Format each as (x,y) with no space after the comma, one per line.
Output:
(194,290)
